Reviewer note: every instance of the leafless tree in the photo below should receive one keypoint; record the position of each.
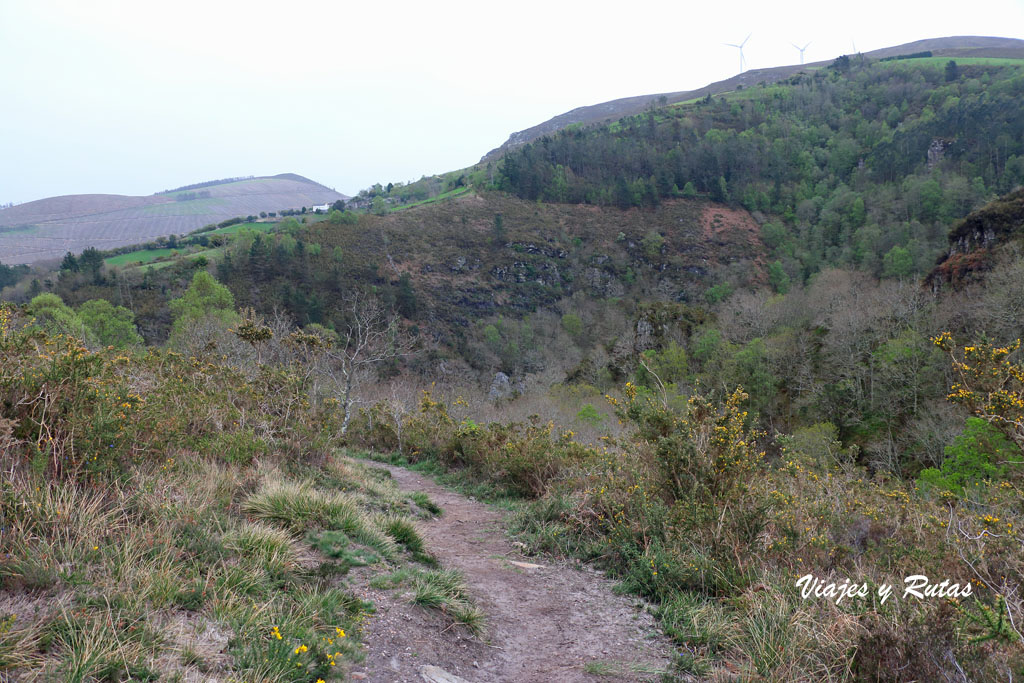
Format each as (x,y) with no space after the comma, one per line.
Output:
(373,336)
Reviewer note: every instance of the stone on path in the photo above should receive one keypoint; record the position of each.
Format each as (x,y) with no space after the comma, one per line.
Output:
(435,674)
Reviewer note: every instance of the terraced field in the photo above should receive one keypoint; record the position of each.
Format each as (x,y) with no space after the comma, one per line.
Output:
(48,228)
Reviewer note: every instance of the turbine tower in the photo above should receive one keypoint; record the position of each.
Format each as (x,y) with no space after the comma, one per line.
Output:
(740,47)
(801,50)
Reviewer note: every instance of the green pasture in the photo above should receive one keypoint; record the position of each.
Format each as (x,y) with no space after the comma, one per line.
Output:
(140,257)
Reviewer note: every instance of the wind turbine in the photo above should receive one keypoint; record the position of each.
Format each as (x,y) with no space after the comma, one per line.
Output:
(740,47)
(801,50)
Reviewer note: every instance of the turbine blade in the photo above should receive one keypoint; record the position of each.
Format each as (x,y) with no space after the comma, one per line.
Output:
(746,39)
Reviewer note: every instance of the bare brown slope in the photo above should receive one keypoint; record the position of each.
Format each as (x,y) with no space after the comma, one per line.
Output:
(71,206)
(955,46)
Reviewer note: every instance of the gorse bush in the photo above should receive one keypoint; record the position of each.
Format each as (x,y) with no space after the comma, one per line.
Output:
(522,459)
(713,521)
(144,488)
(702,453)
(74,413)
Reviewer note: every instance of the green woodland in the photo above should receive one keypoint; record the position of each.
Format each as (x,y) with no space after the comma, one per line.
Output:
(765,334)
(838,157)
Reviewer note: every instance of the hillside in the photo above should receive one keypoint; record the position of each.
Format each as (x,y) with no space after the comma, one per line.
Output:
(956,46)
(48,228)
(862,164)
(689,348)
(975,241)
(451,264)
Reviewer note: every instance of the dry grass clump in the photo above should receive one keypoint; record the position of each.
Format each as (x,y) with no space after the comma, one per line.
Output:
(150,529)
(299,506)
(271,548)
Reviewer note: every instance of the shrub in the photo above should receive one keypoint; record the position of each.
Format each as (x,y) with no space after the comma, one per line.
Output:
(573,325)
(236,447)
(588,415)
(979,454)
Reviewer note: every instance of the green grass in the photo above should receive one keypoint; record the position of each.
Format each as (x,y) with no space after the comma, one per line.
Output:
(443,590)
(423,502)
(297,506)
(603,669)
(206,253)
(961,61)
(148,256)
(403,531)
(140,257)
(430,200)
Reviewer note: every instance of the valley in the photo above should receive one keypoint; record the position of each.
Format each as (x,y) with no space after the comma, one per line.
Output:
(594,408)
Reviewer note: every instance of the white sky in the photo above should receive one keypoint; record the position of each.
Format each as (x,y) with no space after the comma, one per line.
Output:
(133,97)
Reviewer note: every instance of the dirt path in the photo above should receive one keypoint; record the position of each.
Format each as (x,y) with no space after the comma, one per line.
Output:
(543,624)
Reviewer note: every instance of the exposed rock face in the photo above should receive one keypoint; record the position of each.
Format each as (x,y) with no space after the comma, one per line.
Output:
(972,241)
(644,338)
(603,284)
(936,151)
(502,387)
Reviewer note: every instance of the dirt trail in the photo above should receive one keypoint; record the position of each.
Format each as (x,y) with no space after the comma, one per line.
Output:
(543,624)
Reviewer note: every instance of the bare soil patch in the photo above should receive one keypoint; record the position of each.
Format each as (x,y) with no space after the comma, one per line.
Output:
(546,620)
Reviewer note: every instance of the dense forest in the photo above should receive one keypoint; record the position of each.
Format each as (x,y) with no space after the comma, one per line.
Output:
(861,165)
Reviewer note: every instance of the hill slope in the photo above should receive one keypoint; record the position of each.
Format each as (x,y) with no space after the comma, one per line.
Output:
(956,46)
(47,228)
(974,241)
(861,164)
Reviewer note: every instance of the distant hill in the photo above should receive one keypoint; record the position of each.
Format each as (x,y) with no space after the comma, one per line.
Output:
(955,46)
(48,228)
(863,163)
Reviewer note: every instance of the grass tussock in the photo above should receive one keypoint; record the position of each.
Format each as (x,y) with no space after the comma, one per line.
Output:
(152,530)
(443,590)
(297,506)
(424,503)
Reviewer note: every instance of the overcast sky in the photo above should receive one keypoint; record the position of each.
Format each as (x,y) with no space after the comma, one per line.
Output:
(134,97)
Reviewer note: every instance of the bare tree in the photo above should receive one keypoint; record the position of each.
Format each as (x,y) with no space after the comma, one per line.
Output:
(373,336)
(398,401)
